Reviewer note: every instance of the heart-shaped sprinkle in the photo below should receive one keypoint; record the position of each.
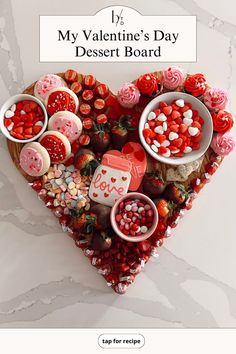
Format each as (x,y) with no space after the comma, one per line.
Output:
(187,149)
(159,130)
(187,121)
(162,117)
(180,102)
(106,195)
(124,178)
(193,131)
(188,113)
(173,136)
(95,195)
(165,143)
(151,116)
(104,172)
(113,179)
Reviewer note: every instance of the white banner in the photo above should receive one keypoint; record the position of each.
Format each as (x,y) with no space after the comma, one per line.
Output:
(117,34)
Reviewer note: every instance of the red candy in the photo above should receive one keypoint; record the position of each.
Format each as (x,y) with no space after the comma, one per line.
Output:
(87,123)
(101,119)
(71,75)
(102,90)
(76,87)
(85,109)
(89,81)
(99,104)
(84,139)
(87,95)
(26,121)
(175,130)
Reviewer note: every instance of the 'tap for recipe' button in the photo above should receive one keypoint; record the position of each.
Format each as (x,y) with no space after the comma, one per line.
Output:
(122,341)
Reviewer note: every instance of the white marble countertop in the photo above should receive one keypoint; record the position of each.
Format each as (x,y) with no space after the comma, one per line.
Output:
(45,281)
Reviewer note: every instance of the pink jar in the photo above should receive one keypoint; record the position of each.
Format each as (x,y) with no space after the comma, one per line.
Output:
(111,179)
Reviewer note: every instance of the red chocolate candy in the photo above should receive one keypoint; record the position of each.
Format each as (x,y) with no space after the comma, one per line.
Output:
(101,119)
(84,139)
(102,90)
(87,95)
(99,104)
(85,109)
(71,75)
(87,123)
(89,81)
(76,87)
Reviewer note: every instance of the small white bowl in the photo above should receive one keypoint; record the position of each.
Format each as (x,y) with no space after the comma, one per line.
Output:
(7,105)
(206,133)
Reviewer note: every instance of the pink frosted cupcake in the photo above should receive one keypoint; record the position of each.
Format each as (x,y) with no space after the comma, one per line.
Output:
(172,78)
(223,144)
(128,95)
(45,83)
(216,98)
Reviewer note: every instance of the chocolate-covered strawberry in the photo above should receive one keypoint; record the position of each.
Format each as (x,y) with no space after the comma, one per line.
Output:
(176,193)
(119,132)
(101,241)
(85,162)
(101,215)
(153,184)
(100,141)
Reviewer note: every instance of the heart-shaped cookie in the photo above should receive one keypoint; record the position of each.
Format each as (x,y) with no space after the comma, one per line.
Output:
(66,185)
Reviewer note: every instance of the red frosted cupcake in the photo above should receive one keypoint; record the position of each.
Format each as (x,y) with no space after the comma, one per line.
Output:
(148,85)
(195,85)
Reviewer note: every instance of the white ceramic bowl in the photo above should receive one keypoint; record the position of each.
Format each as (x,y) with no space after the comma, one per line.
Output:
(8,104)
(206,133)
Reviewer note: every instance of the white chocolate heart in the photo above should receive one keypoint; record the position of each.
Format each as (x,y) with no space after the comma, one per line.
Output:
(187,121)
(159,130)
(154,148)
(173,136)
(188,113)
(9,114)
(162,117)
(173,175)
(151,116)
(187,149)
(165,126)
(193,131)
(180,102)
(165,143)
(185,170)
(156,143)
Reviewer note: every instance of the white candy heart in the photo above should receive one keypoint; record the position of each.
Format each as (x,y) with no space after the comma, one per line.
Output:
(22,112)
(13,107)
(162,117)
(39,123)
(165,126)
(165,143)
(154,148)
(146,126)
(173,136)
(151,116)
(175,151)
(167,153)
(180,102)
(159,130)
(187,121)
(9,114)
(187,149)
(156,143)
(188,113)
(193,131)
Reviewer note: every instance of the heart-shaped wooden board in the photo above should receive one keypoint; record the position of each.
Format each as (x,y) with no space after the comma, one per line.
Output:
(124,260)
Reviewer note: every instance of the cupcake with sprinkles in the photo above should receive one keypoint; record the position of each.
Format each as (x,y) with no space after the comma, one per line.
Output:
(172,78)
(195,85)
(149,85)
(216,99)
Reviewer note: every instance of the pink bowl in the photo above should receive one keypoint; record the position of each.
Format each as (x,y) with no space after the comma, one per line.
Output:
(114,209)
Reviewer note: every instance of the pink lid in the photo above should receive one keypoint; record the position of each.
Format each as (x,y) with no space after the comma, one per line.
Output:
(115,160)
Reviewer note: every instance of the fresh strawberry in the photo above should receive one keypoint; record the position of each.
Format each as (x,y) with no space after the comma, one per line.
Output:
(78,222)
(176,193)
(163,207)
(85,161)
(153,184)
